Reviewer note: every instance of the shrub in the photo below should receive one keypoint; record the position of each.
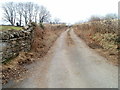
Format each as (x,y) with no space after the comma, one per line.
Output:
(42,26)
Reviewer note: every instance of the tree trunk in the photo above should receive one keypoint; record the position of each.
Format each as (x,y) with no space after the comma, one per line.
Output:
(20,20)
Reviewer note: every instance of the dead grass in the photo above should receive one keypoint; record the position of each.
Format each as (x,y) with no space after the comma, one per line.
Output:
(70,42)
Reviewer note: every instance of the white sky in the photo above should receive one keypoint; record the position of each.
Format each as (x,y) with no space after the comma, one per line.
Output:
(71,11)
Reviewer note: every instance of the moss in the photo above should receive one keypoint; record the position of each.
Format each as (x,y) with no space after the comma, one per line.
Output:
(7,60)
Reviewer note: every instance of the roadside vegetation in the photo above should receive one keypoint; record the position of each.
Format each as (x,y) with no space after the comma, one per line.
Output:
(101,34)
(23,14)
(15,69)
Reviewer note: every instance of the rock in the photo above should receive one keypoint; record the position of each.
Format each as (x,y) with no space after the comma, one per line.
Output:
(26,27)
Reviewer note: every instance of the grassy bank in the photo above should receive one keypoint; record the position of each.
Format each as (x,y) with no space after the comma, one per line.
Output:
(5,27)
(100,37)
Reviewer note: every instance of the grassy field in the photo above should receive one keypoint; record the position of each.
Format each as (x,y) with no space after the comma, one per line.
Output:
(2,27)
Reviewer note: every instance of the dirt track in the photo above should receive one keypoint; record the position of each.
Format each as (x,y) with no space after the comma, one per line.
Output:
(70,64)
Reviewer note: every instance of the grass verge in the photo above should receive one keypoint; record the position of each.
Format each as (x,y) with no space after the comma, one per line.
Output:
(3,27)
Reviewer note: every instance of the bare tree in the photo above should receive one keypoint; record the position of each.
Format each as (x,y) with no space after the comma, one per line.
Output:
(30,11)
(56,21)
(95,18)
(111,16)
(9,12)
(20,12)
(44,15)
(36,10)
(25,13)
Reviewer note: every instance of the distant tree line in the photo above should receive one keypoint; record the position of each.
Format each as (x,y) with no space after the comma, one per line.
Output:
(24,13)
(106,17)
(101,24)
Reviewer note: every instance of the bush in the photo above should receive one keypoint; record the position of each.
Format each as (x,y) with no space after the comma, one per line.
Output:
(107,41)
(42,26)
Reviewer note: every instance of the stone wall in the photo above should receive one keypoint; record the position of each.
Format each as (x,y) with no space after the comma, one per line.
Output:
(14,41)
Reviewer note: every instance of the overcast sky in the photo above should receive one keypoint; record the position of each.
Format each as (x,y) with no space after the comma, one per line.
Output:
(71,11)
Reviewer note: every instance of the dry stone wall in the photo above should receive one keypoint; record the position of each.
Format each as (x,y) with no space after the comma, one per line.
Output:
(14,41)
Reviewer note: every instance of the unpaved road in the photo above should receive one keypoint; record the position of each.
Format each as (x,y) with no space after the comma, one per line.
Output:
(70,64)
